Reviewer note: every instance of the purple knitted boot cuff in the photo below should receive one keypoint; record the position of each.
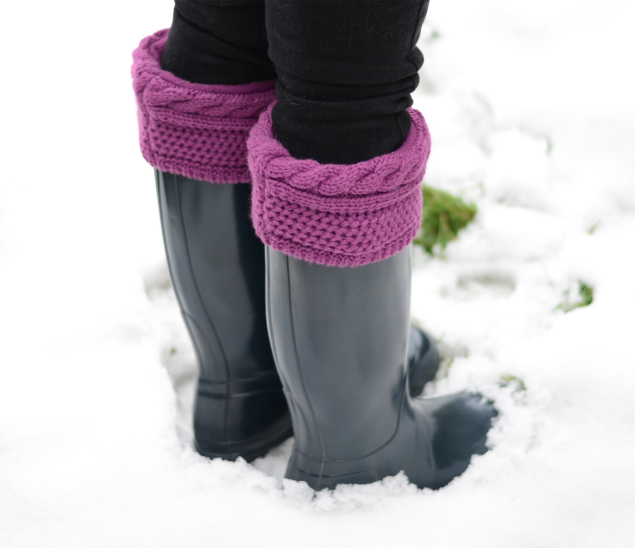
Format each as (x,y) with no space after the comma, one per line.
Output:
(196,130)
(337,215)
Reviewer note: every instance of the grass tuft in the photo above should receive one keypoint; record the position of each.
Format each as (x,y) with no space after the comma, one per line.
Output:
(444,215)
(586,298)
(506,380)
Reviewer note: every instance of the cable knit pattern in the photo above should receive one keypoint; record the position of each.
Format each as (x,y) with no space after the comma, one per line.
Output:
(196,130)
(332,214)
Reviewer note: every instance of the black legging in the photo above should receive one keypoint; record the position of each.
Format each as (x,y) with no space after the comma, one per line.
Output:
(345,68)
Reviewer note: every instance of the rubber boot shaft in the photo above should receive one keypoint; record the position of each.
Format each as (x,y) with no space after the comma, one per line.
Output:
(217,264)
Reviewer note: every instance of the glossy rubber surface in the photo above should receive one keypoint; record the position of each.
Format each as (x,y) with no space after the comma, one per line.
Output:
(217,268)
(340,337)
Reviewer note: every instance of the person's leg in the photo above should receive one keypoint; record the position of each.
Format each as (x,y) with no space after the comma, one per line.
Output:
(218,42)
(200,90)
(337,167)
(346,69)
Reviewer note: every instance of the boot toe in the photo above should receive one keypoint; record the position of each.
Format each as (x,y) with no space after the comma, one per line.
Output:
(460,424)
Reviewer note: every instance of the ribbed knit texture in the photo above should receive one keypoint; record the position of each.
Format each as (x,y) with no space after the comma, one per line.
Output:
(332,214)
(195,130)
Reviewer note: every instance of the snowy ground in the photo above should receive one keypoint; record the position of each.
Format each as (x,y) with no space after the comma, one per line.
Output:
(532,115)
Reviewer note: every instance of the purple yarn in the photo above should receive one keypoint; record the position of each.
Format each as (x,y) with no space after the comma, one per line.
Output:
(196,130)
(332,214)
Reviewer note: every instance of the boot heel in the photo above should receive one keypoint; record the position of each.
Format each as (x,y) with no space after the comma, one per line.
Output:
(249,451)
(221,428)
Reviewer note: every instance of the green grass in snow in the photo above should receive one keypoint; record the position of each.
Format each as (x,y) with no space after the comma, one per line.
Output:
(444,216)
(586,298)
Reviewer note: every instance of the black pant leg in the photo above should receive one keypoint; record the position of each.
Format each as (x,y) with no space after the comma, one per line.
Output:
(218,42)
(346,70)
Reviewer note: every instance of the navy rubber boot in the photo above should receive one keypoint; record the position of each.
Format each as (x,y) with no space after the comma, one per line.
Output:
(340,341)
(217,268)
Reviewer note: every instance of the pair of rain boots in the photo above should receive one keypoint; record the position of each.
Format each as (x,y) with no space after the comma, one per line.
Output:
(300,327)
(217,266)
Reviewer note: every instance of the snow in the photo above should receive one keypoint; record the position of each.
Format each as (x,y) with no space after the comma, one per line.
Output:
(532,116)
